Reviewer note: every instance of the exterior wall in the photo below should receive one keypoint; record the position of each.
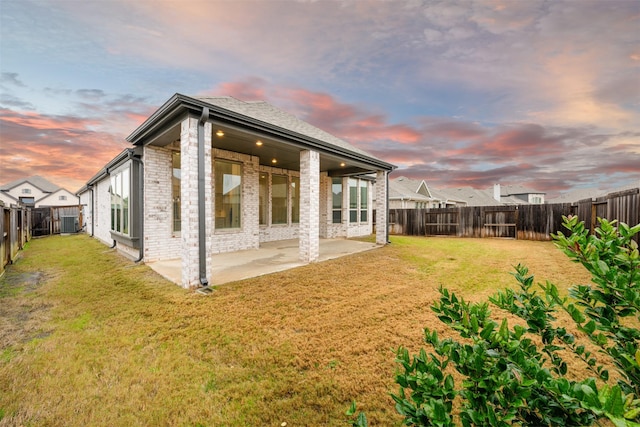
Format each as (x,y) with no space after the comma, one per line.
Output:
(190,206)
(309,244)
(382,221)
(102,212)
(85,202)
(35,192)
(536,199)
(7,199)
(53,199)
(160,242)
(249,234)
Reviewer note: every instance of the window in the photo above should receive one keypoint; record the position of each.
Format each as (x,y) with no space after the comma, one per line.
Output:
(364,199)
(279,196)
(353,200)
(26,191)
(176,176)
(62,197)
(264,198)
(228,194)
(295,199)
(28,200)
(120,201)
(336,191)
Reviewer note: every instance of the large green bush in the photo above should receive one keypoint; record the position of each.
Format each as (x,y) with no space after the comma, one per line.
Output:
(517,374)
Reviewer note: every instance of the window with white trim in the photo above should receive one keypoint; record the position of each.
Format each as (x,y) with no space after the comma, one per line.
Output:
(228,176)
(176,177)
(120,185)
(336,196)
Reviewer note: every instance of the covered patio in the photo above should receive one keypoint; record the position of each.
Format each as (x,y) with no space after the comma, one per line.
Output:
(271,257)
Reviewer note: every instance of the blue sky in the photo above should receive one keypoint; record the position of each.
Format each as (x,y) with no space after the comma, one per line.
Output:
(460,93)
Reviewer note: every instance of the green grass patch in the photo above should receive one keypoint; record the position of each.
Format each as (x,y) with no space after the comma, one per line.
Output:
(92,339)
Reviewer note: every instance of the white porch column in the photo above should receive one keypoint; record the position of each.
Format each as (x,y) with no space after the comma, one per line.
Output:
(381,208)
(189,200)
(309,206)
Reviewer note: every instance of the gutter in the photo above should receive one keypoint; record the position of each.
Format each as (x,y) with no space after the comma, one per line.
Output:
(201,199)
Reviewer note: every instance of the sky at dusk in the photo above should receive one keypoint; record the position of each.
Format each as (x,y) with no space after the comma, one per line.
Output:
(544,94)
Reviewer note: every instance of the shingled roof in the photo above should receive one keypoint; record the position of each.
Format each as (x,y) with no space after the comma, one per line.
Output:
(267,113)
(37,181)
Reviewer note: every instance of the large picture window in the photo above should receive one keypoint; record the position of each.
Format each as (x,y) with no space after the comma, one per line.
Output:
(175,191)
(336,191)
(120,187)
(264,198)
(353,200)
(228,182)
(295,199)
(279,196)
(364,199)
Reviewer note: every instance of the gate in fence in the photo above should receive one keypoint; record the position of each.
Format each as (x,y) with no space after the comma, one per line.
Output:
(56,220)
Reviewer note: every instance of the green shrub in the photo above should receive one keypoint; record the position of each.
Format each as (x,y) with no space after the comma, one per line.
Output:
(508,377)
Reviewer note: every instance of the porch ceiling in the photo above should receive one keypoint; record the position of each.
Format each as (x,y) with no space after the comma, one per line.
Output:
(287,156)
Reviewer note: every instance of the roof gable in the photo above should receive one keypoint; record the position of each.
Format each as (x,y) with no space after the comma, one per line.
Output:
(250,117)
(267,113)
(37,181)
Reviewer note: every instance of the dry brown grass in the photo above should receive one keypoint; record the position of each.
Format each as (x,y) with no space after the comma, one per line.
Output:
(101,342)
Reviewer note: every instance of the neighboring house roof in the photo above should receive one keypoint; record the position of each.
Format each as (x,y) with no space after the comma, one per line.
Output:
(409,189)
(472,196)
(576,195)
(267,113)
(403,188)
(37,181)
(510,190)
(590,193)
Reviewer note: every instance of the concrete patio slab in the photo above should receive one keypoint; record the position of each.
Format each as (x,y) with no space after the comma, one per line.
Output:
(271,257)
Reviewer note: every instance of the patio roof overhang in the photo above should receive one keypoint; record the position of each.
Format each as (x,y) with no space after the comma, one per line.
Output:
(242,132)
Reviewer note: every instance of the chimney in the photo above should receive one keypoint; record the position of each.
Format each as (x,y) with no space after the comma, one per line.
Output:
(496,192)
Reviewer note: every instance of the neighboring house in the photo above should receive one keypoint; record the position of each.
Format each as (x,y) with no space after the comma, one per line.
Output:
(576,195)
(473,197)
(208,175)
(406,193)
(517,195)
(36,192)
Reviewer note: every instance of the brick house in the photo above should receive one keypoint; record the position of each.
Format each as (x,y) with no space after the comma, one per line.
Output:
(208,175)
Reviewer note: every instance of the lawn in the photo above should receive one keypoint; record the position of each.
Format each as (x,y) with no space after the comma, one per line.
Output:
(89,338)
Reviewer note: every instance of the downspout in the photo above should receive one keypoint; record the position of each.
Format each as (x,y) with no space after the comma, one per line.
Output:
(201,199)
(92,209)
(141,204)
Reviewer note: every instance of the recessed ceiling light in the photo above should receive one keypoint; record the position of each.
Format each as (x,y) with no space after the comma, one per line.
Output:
(220,133)
(274,161)
(343,164)
(258,143)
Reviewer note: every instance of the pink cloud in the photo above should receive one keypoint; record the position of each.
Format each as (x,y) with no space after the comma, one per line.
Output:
(63,149)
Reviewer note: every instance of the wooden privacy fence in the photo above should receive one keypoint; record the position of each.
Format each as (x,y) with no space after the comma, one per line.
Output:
(526,222)
(15,226)
(56,220)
